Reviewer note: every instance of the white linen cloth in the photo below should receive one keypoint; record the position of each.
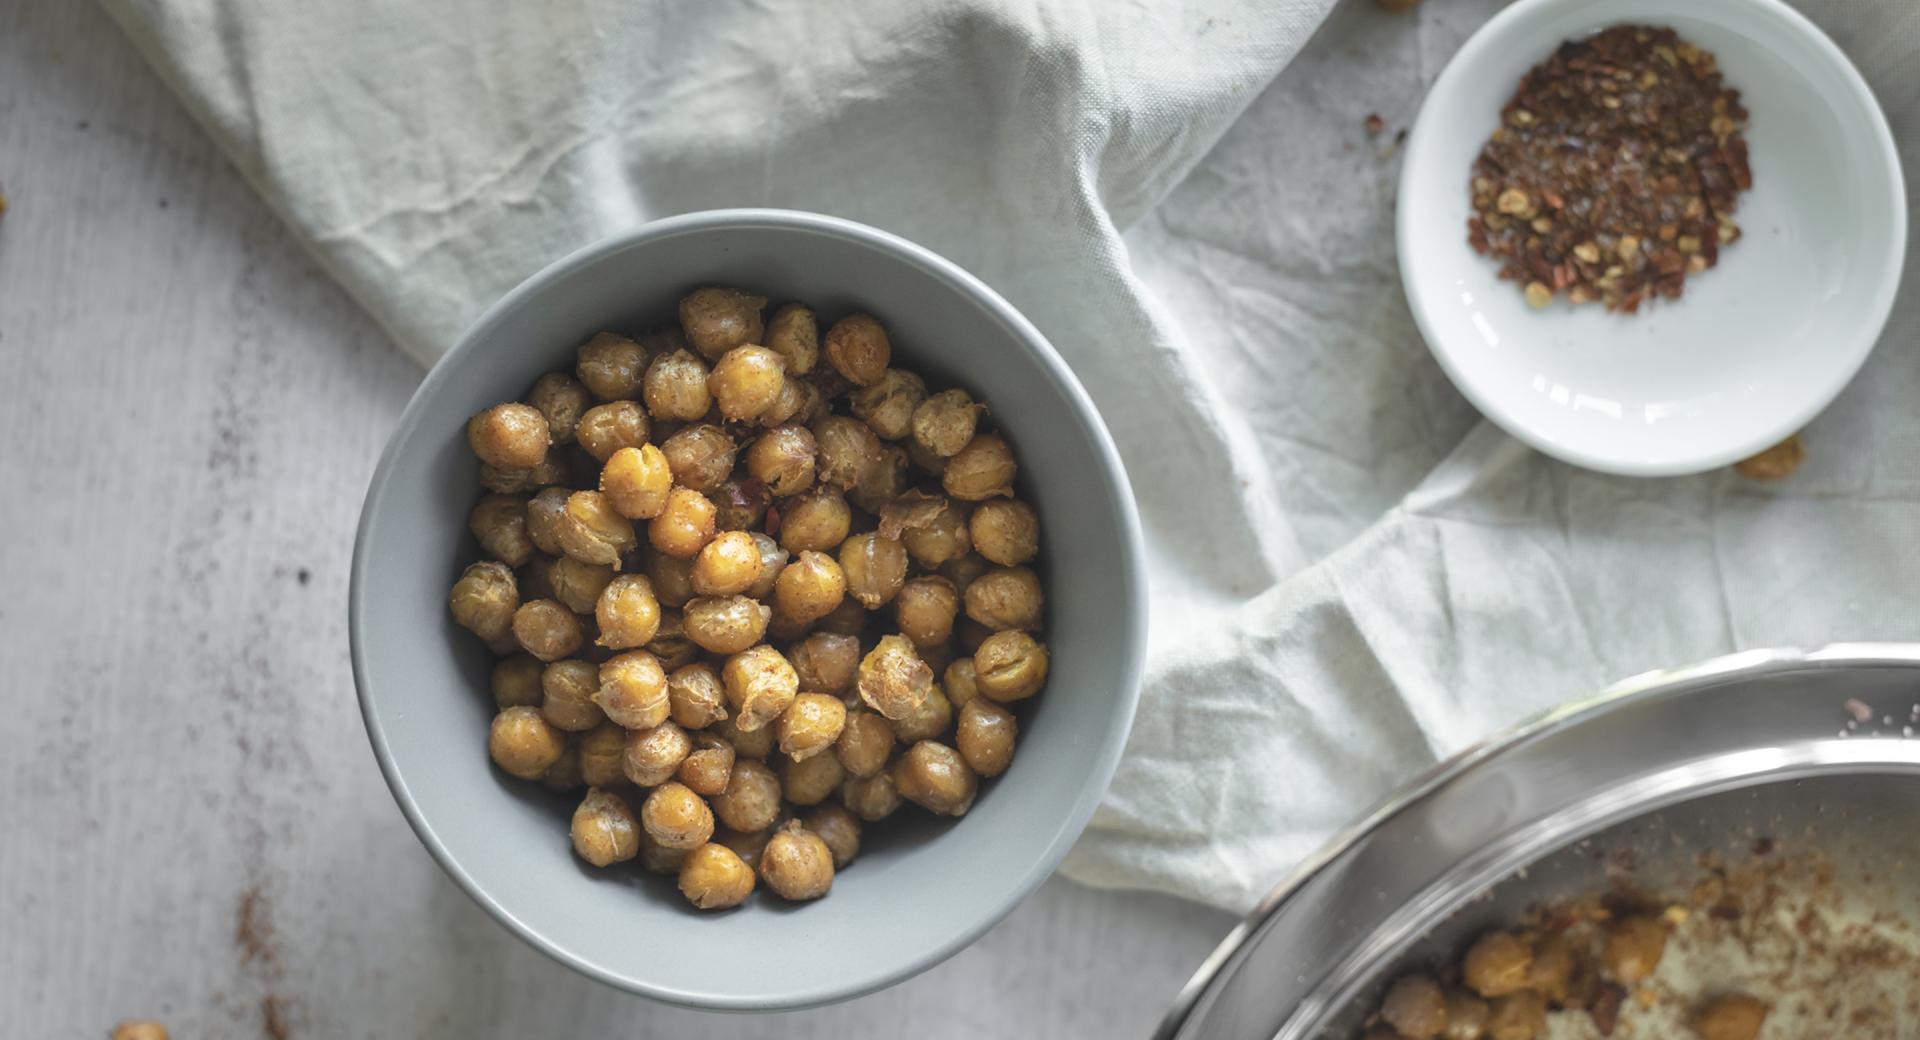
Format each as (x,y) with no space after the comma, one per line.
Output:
(1352,574)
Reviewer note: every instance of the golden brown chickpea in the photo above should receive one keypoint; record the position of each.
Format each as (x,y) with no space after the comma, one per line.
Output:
(1006,531)
(938,656)
(714,877)
(499,524)
(516,681)
(751,801)
(603,752)
(633,690)
(985,736)
(826,662)
(872,798)
(925,461)
(810,725)
(809,588)
(1466,1016)
(523,743)
(1415,1007)
(965,570)
(794,334)
(510,436)
(875,568)
(607,428)
(636,481)
(543,517)
(847,619)
(756,744)
(883,481)
(960,681)
(925,609)
(725,624)
(926,722)
(708,767)
(1517,1016)
(685,526)
(592,532)
(139,1031)
(844,448)
(857,348)
(563,400)
(796,864)
(773,560)
(1735,1016)
(1010,666)
(547,629)
(816,520)
(760,683)
(728,565)
(718,319)
(839,829)
(942,539)
(746,381)
(610,365)
(566,696)
(935,777)
(578,586)
(657,858)
(520,481)
(893,680)
(944,423)
(627,613)
(701,457)
(676,817)
(485,600)
(887,404)
(604,832)
(672,578)
(564,775)
(654,755)
(983,469)
(1497,964)
(1633,948)
(695,696)
(676,387)
(799,402)
(865,744)
(782,459)
(670,643)
(1006,598)
(1551,973)
(811,781)
(740,504)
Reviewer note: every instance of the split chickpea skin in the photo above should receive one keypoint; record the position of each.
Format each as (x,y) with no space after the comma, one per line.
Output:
(753,586)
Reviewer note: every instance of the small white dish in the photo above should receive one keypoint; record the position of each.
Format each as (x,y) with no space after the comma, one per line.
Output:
(1756,346)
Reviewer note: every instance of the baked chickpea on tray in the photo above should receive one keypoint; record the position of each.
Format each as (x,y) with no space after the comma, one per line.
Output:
(751,588)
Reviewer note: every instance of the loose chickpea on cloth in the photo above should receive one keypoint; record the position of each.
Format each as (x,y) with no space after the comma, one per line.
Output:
(1351,575)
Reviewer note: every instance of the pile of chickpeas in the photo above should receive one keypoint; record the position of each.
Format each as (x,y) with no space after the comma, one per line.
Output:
(751,588)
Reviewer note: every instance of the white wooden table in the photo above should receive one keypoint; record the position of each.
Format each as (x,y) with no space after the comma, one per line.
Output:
(193,824)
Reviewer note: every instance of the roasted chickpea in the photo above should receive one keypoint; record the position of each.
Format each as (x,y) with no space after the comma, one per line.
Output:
(714,877)
(740,504)
(563,400)
(633,690)
(1735,1016)
(603,751)
(865,744)
(627,613)
(938,656)
(657,858)
(751,801)
(893,680)
(1497,964)
(875,568)
(754,743)
(516,681)
(591,531)
(610,365)
(964,571)
(985,736)
(799,402)
(685,526)
(672,578)
(925,609)
(794,334)
(809,588)
(782,459)
(564,774)
(718,319)
(653,755)
(883,481)
(543,518)
(1466,1016)
(944,423)
(872,798)
(499,524)
(810,725)
(1415,1007)
(566,696)
(578,586)
(1005,598)
(1633,948)
(725,624)
(701,457)
(746,381)
(960,681)
(1010,666)
(847,619)
(708,767)
(676,387)
(935,777)
(845,447)
(139,1031)
(942,539)
(607,428)
(983,469)
(510,436)
(839,829)
(773,560)
(520,481)
(925,461)
(604,832)
(728,565)
(810,781)
(485,600)
(695,697)
(857,348)
(826,662)
(676,817)
(1517,1016)
(523,743)
(887,404)
(547,630)
(1006,531)
(636,481)
(816,520)
(1551,974)
(760,683)
(796,864)
(925,722)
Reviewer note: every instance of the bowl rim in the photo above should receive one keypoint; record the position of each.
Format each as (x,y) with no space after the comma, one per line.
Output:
(1493,35)
(1131,638)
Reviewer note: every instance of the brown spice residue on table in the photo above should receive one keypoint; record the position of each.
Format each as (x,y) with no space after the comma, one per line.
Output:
(254,941)
(1615,171)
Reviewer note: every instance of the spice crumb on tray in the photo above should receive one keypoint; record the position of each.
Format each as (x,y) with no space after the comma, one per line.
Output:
(1614,173)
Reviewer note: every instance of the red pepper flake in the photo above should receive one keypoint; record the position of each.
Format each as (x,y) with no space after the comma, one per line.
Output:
(1375,124)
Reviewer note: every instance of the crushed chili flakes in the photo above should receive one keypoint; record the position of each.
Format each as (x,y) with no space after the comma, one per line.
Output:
(1615,171)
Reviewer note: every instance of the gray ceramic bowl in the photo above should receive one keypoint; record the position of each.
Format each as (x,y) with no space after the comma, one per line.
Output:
(921,889)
